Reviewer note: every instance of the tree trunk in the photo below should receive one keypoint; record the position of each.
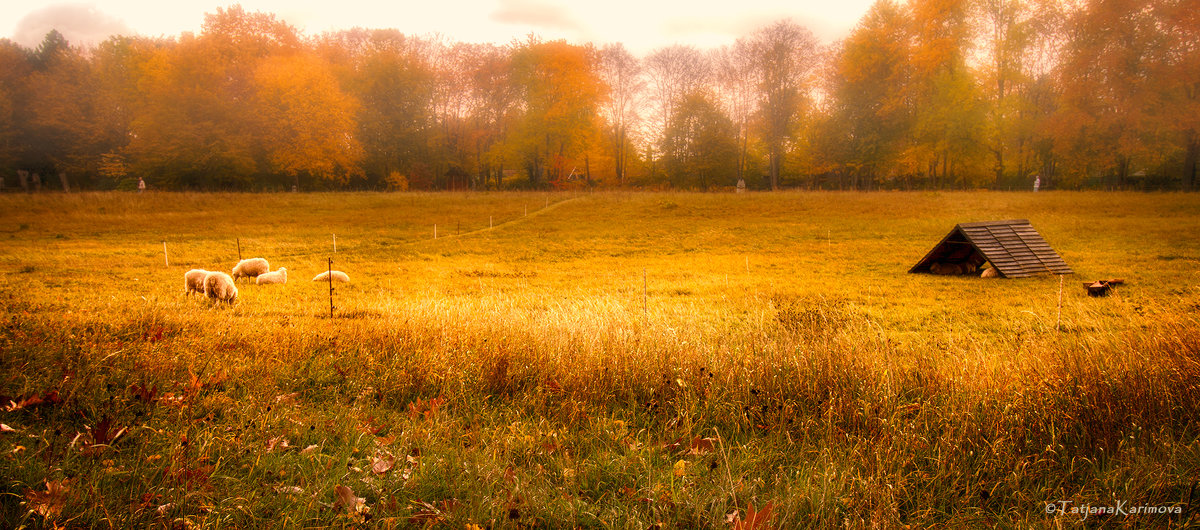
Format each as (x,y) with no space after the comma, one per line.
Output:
(1190,162)
(23,176)
(774,168)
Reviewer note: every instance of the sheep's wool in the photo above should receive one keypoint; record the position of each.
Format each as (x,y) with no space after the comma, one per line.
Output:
(278,276)
(250,268)
(219,286)
(193,281)
(338,276)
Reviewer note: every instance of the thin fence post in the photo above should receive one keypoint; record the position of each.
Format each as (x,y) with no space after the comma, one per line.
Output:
(435,231)
(166,261)
(330,274)
(239,244)
(489,222)
(335,243)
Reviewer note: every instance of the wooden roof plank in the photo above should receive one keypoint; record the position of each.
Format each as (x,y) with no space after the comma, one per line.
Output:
(1013,246)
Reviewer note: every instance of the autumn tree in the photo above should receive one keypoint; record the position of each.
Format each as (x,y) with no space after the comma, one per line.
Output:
(1178,71)
(495,96)
(734,73)
(61,117)
(700,145)
(869,116)
(622,73)
(784,56)
(1110,119)
(391,77)
(310,122)
(560,92)
(673,72)
(947,110)
(14,71)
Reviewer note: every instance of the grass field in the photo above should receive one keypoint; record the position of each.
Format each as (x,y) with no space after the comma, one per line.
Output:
(609,360)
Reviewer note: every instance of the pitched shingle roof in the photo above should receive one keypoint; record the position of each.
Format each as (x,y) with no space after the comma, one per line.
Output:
(1012,246)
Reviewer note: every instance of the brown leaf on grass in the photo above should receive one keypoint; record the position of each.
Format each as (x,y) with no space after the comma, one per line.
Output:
(702,445)
(277,442)
(755,519)
(5,428)
(49,503)
(382,463)
(49,397)
(104,433)
(142,393)
(194,477)
(347,500)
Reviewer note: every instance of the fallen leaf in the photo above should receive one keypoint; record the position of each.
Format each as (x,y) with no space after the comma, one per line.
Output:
(755,519)
(6,428)
(702,445)
(277,441)
(680,468)
(347,500)
(382,463)
(308,449)
(49,503)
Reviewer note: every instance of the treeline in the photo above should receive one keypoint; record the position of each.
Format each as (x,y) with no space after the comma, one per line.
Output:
(929,94)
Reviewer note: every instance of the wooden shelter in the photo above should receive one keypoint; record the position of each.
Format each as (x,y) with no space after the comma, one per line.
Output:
(1013,247)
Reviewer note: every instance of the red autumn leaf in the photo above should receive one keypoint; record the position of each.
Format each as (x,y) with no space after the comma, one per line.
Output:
(755,519)
(104,433)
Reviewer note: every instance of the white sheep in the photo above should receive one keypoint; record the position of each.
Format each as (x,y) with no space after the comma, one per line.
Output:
(338,276)
(193,281)
(219,286)
(250,268)
(278,276)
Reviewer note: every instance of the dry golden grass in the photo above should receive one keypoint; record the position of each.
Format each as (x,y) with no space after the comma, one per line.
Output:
(596,360)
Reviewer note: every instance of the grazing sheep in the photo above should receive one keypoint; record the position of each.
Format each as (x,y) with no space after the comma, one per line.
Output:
(990,272)
(193,281)
(278,276)
(338,276)
(219,286)
(250,268)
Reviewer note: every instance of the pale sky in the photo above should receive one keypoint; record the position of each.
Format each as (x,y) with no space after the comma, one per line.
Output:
(642,25)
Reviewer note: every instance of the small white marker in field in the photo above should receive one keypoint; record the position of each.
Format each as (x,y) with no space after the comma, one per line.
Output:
(166,261)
